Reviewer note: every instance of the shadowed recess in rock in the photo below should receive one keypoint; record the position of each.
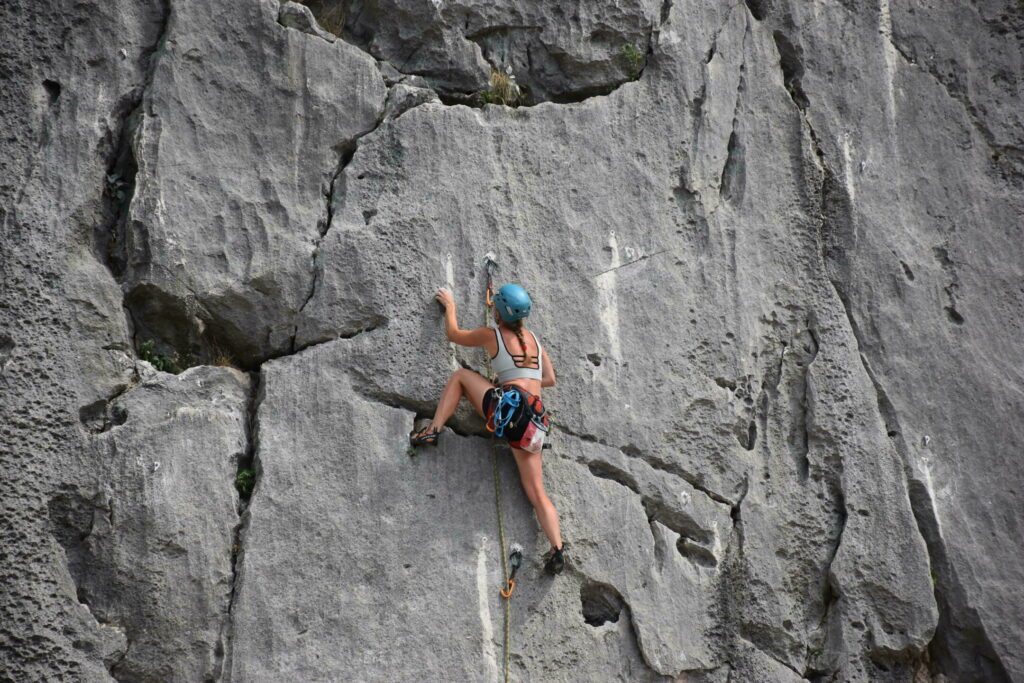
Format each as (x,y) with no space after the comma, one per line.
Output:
(601,603)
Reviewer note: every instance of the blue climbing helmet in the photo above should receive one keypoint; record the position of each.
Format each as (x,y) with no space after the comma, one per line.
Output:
(512,303)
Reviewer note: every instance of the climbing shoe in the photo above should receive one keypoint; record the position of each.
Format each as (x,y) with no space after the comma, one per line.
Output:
(424,437)
(554,560)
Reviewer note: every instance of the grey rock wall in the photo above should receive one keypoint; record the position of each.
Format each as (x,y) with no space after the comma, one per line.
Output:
(776,253)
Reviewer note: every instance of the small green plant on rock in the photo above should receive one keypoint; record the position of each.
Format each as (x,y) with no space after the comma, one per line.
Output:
(503,89)
(162,362)
(245,481)
(633,58)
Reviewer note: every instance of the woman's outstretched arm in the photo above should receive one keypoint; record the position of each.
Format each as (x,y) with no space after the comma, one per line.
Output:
(478,337)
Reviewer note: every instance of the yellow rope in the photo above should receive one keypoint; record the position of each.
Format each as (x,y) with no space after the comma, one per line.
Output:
(506,598)
(506,592)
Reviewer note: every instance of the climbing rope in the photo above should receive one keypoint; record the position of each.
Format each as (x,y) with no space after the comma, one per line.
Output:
(490,265)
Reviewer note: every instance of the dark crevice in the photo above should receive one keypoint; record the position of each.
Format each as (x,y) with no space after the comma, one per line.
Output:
(949,268)
(7,346)
(775,658)
(352,23)
(601,603)
(733,182)
(695,552)
(805,351)
(1009,158)
(693,540)
(632,61)
(745,427)
(53,90)
(734,172)
(792,69)
(110,234)
(652,460)
(953,315)
(960,646)
(370,325)
(336,192)
(758,8)
(168,325)
(691,479)
(736,513)
(608,471)
(726,383)
(452,98)
(186,330)
(110,239)
(666,12)
(464,423)
(750,436)
(248,464)
(831,592)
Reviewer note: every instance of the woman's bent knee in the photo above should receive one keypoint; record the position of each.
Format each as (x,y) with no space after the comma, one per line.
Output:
(463,375)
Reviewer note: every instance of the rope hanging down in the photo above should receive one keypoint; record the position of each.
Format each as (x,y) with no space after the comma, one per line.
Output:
(490,265)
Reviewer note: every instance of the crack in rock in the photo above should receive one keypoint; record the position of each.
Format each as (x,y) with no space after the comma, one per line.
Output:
(249,461)
(1008,152)
(456,46)
(119,189)
(959,630)
(654,461)
(694,541)
(960,636)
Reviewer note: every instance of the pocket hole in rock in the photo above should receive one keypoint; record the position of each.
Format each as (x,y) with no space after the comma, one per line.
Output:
(601,603)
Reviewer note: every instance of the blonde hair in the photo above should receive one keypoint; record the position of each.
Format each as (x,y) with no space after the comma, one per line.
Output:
(517,327)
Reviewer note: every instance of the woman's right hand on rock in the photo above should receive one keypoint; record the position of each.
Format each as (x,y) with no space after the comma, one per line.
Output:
(445,298)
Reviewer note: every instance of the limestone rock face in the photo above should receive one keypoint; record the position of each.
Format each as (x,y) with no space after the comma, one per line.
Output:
(556,52)
(215,260)
(775,252)
(149,545)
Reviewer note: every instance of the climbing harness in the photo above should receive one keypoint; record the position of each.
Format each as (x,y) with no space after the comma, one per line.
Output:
(508,403)
(511,402)
(516,557)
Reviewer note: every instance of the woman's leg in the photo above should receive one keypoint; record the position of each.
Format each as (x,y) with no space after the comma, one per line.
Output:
(533,484)
(463,382)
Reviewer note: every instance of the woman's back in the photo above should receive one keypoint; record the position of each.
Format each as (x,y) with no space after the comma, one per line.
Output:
(517,358)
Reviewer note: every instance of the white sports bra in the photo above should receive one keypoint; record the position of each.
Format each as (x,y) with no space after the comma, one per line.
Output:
(507,367)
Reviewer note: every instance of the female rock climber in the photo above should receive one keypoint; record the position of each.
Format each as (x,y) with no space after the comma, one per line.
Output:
(513,408)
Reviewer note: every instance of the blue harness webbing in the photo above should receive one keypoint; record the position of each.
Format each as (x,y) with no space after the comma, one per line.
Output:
(503,412)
